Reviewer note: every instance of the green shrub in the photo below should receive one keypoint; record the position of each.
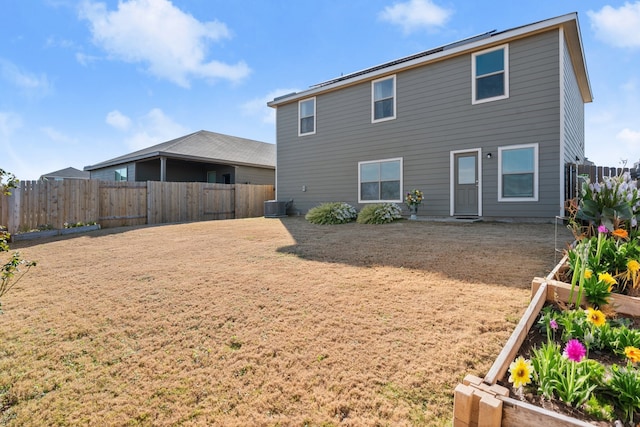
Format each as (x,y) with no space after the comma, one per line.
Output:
(381,213)
(331,213)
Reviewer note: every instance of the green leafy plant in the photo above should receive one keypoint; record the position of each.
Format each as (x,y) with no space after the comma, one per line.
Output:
(381,213)
(611,203)
(573,381)
(78,224)
(331,213)
(546,362)
(625,385)
(599,409)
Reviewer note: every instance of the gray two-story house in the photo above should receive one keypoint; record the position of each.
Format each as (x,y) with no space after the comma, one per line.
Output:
(483,126)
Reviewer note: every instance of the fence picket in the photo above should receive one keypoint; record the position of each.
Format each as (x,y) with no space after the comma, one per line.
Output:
(115,204)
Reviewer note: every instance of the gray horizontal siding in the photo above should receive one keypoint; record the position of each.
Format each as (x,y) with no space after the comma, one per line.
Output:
(573,114)
(434,117)
(109,174)
(251,175)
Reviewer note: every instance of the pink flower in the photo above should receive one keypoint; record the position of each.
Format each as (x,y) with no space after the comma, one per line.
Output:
(553,324)
(602,229)
(574,350)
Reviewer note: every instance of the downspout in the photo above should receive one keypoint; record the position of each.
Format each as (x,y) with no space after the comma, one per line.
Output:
(163,168)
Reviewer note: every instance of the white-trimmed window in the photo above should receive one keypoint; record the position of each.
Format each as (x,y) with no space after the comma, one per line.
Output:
(383,99)
(518,173)
(380,181)
(307,117)
(121,174)
(490,80)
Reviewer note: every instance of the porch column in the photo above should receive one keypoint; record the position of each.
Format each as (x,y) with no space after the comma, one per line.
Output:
(163,169)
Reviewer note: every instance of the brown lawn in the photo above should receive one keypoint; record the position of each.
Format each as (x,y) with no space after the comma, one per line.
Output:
(262,322)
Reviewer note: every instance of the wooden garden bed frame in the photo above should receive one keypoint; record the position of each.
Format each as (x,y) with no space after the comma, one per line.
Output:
(482,402)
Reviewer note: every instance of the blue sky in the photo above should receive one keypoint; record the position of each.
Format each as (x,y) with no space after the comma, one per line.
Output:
(86,81)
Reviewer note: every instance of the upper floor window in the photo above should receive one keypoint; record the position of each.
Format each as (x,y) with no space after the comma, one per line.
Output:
(121,174)
(490,74)
(380,181)
(518,173)
(383,95)
(307,117)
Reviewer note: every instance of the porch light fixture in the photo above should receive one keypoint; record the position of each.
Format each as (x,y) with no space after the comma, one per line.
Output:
(488,155)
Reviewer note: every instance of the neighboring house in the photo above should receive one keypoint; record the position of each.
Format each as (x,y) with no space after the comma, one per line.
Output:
(483,127)
(62,174)
(198,157)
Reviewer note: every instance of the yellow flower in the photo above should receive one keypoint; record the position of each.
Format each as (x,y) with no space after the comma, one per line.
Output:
(633,266)
(587,274)
(520,370)
(608,279)
(596,317)
(620,233)
(633,354)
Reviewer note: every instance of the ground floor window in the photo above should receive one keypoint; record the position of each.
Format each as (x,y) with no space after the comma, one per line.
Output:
(518,173)
(380,181)
(121,174)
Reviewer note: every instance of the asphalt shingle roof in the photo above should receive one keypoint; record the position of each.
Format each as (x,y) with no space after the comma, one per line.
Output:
(204,146)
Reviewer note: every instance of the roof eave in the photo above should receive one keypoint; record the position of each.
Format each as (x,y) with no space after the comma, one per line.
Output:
(157,154)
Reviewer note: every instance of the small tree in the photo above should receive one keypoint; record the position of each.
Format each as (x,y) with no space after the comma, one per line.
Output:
(10,272)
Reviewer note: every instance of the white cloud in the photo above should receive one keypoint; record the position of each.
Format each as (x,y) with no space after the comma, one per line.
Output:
(172,43)
(30,82)
(9,122)
(257,107)
(84,59)
(630,137)
(12,159)
(57,136)
(118,120)
(153,128)
(617,27)
(415,15)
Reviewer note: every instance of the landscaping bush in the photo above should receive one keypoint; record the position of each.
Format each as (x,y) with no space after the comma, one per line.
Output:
(382,213)
(331,213)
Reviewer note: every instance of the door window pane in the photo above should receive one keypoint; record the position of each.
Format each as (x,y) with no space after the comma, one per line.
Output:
(467,170)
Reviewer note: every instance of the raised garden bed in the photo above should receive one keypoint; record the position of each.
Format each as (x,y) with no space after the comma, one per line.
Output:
(52,233)
(483,402)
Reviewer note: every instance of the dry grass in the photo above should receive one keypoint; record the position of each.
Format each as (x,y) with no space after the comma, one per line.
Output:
(262,322)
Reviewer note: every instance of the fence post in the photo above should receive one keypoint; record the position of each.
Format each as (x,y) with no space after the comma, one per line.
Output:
(13,202)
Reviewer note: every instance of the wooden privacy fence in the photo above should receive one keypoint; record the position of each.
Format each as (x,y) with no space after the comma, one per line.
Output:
(113,204)
(574,173)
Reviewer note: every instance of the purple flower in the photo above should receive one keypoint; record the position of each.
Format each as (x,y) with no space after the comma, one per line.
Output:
(553,324)
(574,350)
(602,229)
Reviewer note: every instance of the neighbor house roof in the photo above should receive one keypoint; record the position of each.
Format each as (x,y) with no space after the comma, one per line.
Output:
(569,24)
(204,146)
(68,173)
